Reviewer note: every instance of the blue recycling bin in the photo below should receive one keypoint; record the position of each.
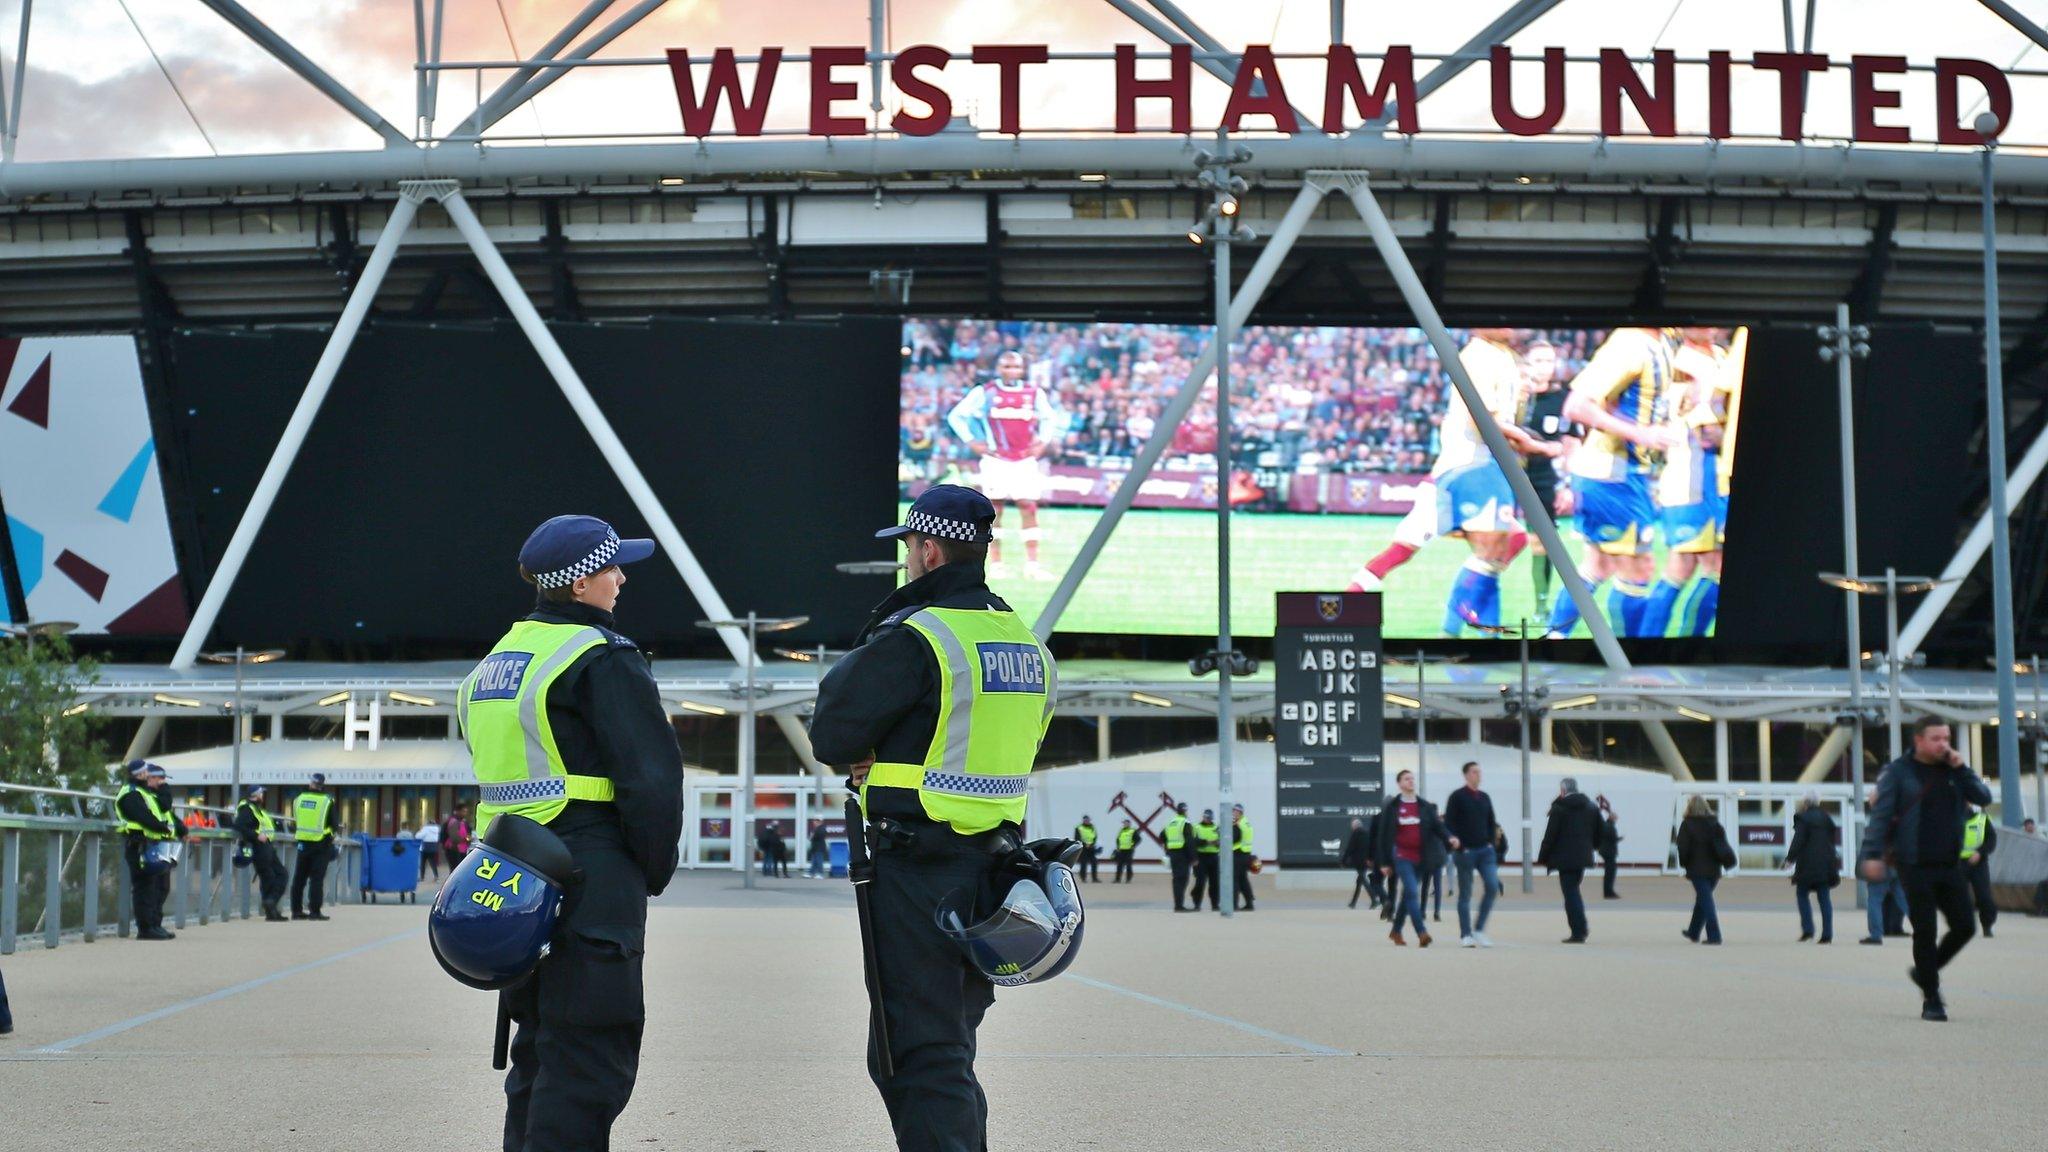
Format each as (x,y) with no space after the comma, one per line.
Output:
(390,864)
(835,853)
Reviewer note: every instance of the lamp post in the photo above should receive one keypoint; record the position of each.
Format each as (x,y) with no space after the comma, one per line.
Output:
(240,658)
(28,630)
(743,819)
(1841,343)
(1220,227)
(1987,126)
(1421,662)
(1520,706)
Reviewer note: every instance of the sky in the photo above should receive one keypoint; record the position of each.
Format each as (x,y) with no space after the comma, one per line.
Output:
(93,90)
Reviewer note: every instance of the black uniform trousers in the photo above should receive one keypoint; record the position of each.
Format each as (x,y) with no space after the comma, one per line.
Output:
(1241,874)
(576,1053)
(146,893)
(1980,886)
(1091,863)
(931,997)
(270,876)
(1932,889)
(1183,866)
(1610,866)
(1125,870)
(309,875)
(1207,880)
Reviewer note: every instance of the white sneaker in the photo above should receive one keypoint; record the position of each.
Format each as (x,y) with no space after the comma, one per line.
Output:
(1467,942)
(1485,941)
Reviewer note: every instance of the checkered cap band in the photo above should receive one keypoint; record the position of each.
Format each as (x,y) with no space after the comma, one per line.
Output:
(524,791)
(969,785)
(941,526)
(597,561)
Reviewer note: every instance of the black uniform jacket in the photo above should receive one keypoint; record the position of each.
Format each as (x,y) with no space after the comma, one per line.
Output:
(882,699)
(133,807)
(608,721)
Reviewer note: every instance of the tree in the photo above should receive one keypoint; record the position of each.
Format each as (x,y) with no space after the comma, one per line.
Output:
(47,735)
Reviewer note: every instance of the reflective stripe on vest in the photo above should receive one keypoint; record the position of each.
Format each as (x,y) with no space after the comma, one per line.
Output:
(1176,833)
(309,813)
(1973,834)
(265,823)
(1244,835)
(1126,839)
(155,809)
(504,715)
(1206,837)
(993,712)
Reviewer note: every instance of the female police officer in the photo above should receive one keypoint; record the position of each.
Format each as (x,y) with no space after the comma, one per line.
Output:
(565,729)
(940,743)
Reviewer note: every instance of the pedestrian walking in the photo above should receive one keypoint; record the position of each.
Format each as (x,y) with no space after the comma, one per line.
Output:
(1417,839)
(1357,856)
(1816,866)
(1917,825)
(818,857)
(1569,838)
(1610,851)
(1468,816)
(429,837)
(1703,851)
(456,835)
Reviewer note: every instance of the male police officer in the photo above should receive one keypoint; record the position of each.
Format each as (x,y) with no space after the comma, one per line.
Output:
(602,771)
(1091,851)
(1126,852)
(146,820)
(1241,858)
(936,718)
(1180,854)
(313,826)
(255,827)
(1208,846)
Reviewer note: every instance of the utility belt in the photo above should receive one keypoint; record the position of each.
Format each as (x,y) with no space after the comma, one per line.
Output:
(928,839)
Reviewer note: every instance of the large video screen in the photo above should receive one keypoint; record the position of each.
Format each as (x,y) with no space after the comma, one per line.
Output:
(1354,464)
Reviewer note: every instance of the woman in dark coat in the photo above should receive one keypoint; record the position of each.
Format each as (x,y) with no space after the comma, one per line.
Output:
(1816,866)
(1703,850)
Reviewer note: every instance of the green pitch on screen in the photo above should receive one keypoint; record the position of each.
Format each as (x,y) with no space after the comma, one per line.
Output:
(1157,574)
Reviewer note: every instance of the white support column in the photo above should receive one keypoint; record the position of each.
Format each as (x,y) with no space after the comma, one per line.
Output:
(1721,765)
(1763,751)
(1102,737)
(13,106)
(1971,551)
(294,435)
(1548,733)
(1823,761)
(1472,730)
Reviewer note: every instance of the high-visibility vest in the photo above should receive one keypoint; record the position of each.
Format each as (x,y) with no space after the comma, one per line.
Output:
(1244,835)
(1176,834)
(309,815)
(1126,839)
(996,690)
(1085,833)
(265,824)
(155,809)
(1207,837)
(503,708)
(1973,833)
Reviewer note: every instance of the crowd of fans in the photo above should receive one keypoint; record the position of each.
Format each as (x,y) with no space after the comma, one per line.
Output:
(1302,399)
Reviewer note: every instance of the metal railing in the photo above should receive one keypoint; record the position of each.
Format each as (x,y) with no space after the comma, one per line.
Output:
(61,847)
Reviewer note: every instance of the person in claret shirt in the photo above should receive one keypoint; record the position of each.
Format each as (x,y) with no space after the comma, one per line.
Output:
(1413,841)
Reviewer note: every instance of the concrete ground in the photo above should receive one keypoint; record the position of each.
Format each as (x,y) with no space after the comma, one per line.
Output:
(1295,1027)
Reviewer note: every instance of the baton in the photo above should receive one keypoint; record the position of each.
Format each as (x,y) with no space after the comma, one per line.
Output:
(861,870)
(502,1044)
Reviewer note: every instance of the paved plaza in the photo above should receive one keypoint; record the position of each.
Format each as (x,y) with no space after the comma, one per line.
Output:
(1295,1027)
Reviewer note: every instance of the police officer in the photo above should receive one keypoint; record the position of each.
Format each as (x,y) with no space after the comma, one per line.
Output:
(1180,854)
(1126,852)
(939,808)
(1091,852)
(1979,840)
(605,776)
(314,827)
(1208,846)
(146,820)
(255,827)
(1241,858)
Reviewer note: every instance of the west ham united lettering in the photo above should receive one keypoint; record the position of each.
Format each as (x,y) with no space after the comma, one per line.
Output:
(1011,667)
(1529,94)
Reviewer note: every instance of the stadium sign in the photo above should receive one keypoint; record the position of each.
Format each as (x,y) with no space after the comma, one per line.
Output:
(1259,92)
(1328,729)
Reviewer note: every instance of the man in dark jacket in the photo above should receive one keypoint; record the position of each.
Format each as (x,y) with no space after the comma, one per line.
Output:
(1468,815)
(1412,841)
(1568,842)
(1917,823)
(576,1052)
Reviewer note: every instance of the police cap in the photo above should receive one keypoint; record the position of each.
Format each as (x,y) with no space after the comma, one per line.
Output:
(568,548)
(949,512)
